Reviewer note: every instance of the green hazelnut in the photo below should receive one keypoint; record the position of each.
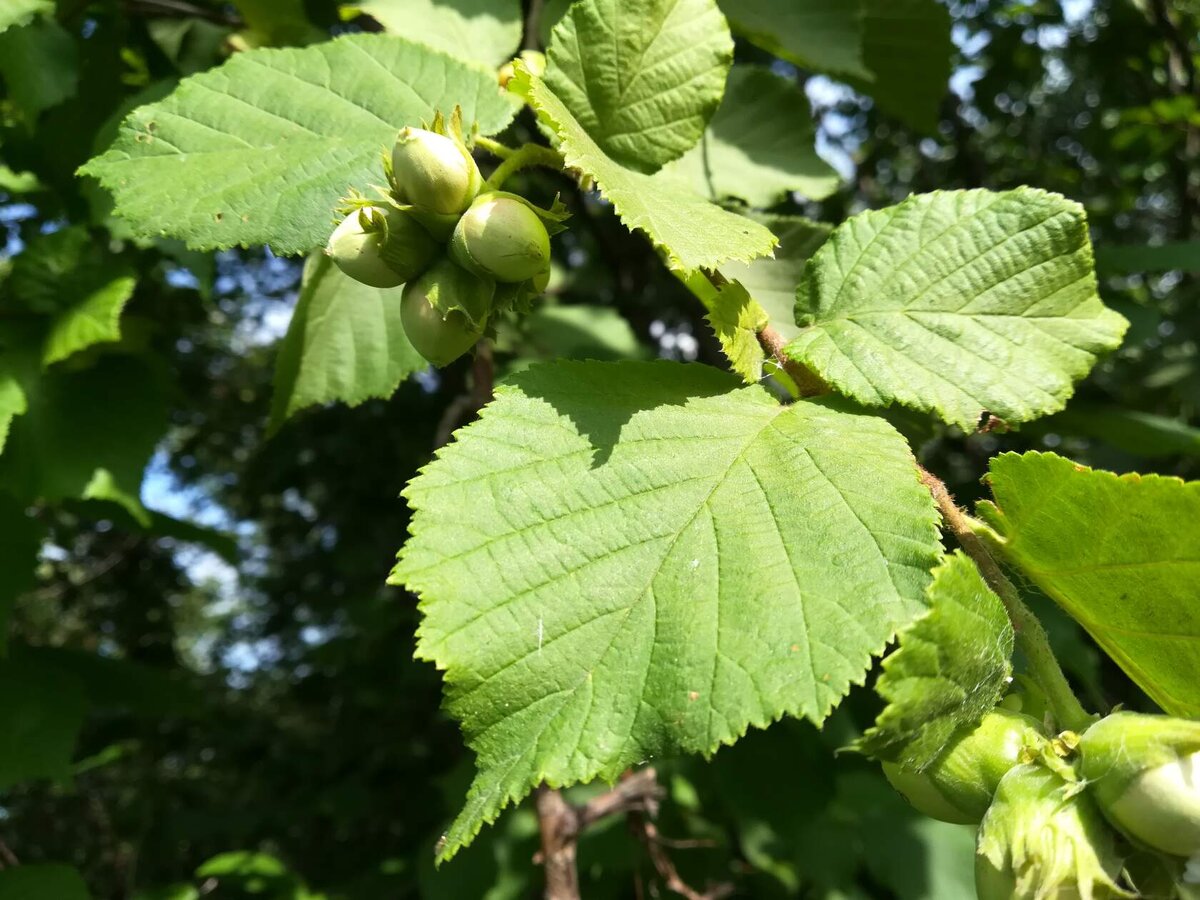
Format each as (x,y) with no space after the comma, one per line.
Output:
(435,173)
(381,247)
(500,236)
(445,311)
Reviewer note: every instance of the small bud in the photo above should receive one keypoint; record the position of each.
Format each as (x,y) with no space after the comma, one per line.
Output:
(433,172)
(958,786)
(1145,772)
(381,247)
(445,311)
(1043,839)
(501,237)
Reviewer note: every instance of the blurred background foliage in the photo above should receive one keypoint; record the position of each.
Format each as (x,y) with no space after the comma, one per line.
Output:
(208,689)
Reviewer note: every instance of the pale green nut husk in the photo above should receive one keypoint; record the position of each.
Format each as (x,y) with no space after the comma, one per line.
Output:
(444,312)
(1042,839)
(434,173)
(958,786)
(1145,772)
(381,247)
(501,237)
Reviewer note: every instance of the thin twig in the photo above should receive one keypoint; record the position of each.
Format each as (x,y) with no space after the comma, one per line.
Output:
(466,405)
(647,833)
(8,859)
(1031,636)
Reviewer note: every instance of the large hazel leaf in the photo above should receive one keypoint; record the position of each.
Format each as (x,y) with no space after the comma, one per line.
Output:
(759,146)
(259,150)
(952,667)
(694,233)
(907,47)
(345,343)
(1121,554)
(39,63)
(485,31)
(826,35)
(641,77)
(958,303)
(621,560)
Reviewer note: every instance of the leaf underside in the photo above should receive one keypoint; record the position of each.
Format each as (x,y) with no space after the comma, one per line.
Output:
(345,343)
(655,560)
(1119,554)
(950,668)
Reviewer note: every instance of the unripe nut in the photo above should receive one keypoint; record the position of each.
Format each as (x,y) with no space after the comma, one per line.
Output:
(958,786)
(433,172)
(500,236)
(433,312)
(381,247)
(1145,771)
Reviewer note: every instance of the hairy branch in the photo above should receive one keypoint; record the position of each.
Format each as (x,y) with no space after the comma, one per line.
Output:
(808,383)
(1031,636)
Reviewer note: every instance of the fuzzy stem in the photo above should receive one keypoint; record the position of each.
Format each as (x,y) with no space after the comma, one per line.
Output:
(1031,636)
(497,149)
(523,157)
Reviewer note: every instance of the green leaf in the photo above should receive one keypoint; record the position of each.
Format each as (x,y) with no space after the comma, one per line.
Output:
(21,12)
(759,145)
(39,720)
(277,22)
(259,150)
(950,669)
(957,303)
(83,288)
(825,35)
(42,881)
(107,417)
(772,280)
(12,399)
(345,343)
(642,78)
(1113,259)
(1118,553)
(21,537)
(736,320)
(12,182)
(483,31)
(693,233)
(670,559)
(40,65)
(94,319)
(907,47)
(579,331)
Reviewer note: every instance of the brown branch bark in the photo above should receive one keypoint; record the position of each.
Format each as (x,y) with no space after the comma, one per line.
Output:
(561,824)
